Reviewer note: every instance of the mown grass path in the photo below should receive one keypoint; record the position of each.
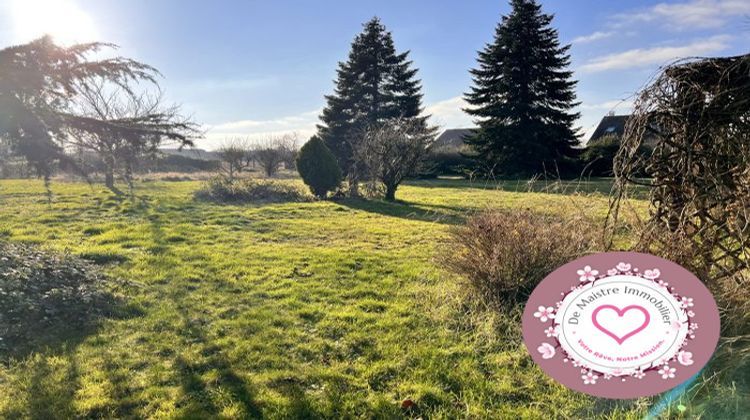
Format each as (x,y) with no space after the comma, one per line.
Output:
(323,309)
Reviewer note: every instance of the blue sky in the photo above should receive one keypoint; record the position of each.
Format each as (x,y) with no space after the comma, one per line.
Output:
(252,68)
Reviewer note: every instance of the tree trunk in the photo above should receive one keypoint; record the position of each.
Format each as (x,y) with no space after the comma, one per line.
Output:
(390,192)
(109,177)
(129,180)
(353,186)
(47,188)
(109,174)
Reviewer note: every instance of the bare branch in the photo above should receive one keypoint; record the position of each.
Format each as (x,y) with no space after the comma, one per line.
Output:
(393,150)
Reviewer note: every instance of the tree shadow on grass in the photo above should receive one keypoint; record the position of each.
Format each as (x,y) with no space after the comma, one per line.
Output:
(60,332)
(198,396)
(443,214)
(208,374)
(41,388)
(52,388)
(211,383)
(198,399)
(541,185)
(44,369)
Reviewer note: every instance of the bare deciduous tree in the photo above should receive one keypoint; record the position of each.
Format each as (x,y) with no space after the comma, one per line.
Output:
(236,156)
(393,150)
(39,83)
(145,121)
(274,151)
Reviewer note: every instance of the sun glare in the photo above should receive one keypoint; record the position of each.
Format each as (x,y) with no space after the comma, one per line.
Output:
(62,19)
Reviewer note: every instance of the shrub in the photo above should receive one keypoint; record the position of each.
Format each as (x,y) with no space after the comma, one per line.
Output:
(318,167)
(446,163)
(732,293)
(598,158)
(45,295)
(503,255)
(392,150)
(223,190)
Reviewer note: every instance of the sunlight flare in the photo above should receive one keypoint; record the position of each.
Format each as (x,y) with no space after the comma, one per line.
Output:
(64,20)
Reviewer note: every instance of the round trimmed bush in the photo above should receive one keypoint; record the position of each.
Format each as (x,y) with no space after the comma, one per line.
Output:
(318,167)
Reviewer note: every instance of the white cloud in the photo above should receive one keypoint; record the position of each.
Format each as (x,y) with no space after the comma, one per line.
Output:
(301,124)
(449,113)
(592,37)
(642,57)
(446,114)
(701,14)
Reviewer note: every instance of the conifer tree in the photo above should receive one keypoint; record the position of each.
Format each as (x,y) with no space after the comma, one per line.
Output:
(523,96)
(375,84)
(318,167)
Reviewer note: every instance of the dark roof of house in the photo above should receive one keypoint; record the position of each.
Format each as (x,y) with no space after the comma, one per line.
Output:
(610,124)
(452,138)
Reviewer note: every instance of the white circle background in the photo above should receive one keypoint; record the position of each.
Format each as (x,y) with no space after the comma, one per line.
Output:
(599,343)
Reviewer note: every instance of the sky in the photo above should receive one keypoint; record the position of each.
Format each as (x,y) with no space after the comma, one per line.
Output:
(261,68)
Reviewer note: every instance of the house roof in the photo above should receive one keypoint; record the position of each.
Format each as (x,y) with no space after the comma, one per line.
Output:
(452,138)
(610,124)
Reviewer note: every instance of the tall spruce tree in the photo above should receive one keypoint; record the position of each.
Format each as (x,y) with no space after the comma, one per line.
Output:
(523,97)
(375,84)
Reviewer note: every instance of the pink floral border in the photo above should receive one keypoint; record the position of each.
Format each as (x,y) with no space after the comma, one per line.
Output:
(587,276)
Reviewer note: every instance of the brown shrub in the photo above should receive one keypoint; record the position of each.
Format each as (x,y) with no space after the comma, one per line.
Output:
(732,293)
(673,246)
(503,255)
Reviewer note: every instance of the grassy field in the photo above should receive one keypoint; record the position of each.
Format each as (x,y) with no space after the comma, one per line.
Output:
(321,309)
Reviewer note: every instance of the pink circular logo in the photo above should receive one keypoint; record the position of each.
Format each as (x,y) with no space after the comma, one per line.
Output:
(621,325)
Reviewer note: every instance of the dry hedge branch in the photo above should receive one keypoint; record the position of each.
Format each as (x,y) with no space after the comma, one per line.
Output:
(698,111)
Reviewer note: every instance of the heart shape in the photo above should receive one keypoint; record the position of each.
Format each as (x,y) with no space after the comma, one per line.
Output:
(621,313)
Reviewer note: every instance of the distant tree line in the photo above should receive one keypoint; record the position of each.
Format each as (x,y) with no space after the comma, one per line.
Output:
(159,162)
(239,155)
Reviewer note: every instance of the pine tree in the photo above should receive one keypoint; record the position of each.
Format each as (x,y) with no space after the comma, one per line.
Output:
(523,96)
(375,84)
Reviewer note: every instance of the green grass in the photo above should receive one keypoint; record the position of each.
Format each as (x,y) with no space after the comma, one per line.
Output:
(321,309)
(599,186)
